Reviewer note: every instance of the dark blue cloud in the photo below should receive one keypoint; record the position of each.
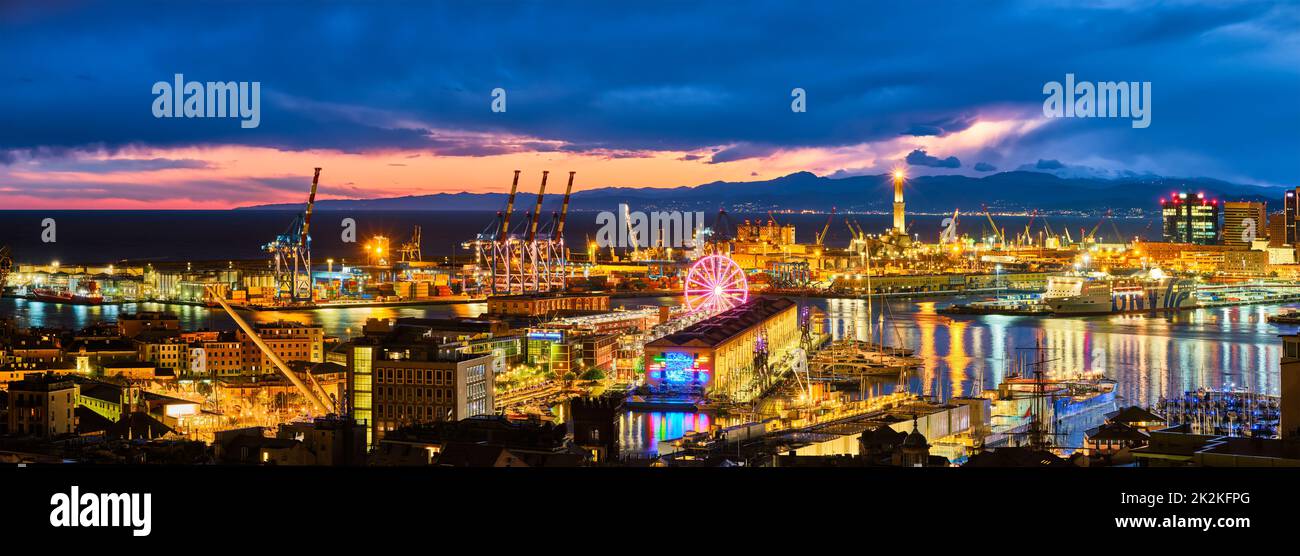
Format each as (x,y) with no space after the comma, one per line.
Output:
(919,158)
(984,167)
(619,77)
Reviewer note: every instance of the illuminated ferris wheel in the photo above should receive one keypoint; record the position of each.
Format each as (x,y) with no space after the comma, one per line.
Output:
(715,283)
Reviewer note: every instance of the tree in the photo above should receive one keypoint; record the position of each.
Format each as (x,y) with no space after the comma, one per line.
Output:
(593,374)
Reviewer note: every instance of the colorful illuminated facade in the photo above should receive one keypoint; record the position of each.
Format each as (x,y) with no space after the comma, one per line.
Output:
(716,356)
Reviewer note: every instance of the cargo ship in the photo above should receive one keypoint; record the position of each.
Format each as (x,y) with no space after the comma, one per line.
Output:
(88,296)
(1087,295)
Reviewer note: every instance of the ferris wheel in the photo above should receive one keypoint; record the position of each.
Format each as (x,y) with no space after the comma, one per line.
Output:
(715,283)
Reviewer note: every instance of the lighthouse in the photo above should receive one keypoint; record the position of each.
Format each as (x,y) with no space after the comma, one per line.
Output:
(899,227)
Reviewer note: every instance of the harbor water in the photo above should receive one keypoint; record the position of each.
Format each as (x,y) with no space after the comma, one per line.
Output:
(1150,356)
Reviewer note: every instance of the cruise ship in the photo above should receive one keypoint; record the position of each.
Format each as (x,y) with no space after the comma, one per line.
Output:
(1088,295)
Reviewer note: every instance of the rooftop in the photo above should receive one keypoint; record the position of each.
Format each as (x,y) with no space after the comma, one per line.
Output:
(728,324)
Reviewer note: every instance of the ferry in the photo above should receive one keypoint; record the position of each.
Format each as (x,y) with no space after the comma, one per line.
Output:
(1291,316)
(1023,304)
(1088,295)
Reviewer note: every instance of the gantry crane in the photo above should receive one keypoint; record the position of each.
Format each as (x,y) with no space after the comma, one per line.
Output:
(291,255)
(410,251)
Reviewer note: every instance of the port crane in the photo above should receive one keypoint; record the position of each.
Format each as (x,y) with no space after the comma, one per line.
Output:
(1002,240)
(1091,236)
(410,251)
(291,255)
(529,261)
(821,236)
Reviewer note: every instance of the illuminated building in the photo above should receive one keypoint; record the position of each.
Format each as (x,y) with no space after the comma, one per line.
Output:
(131,325)
(563,351)
(1190,218)
(289,340)
(1277,230)
(769,232)
(717,354)
(900,228)
(42,405)
(1242,222)
(545,305)
(399,380)
(216,358)
(1289,211)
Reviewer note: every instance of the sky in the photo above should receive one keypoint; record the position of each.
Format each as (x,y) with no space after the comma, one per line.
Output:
(396,98)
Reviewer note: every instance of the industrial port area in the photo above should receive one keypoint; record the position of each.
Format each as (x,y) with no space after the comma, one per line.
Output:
(293,274)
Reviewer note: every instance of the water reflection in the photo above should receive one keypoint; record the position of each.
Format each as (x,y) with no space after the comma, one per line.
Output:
(1151,356)
(342,322)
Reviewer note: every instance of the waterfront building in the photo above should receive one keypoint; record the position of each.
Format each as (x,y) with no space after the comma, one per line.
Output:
(546,305)
(42,405)
(1243,221)
(717,354)
(1190,218)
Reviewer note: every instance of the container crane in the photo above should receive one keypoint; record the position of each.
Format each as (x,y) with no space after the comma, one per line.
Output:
(291,254)
(537,212)
(410,251)
(510,207)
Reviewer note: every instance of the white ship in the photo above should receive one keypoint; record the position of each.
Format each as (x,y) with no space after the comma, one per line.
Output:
(1091,295)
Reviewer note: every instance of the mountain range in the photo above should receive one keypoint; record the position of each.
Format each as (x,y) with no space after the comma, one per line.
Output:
(1004,191)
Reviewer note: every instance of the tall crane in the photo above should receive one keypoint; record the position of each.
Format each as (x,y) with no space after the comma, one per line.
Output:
(564,209)
(510,207)
(821,236)
(537,212)
(410,251)
(996,230)
(291,254)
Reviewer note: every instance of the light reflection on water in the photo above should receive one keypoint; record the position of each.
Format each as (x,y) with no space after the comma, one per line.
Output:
(341,322)
(1149,356)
